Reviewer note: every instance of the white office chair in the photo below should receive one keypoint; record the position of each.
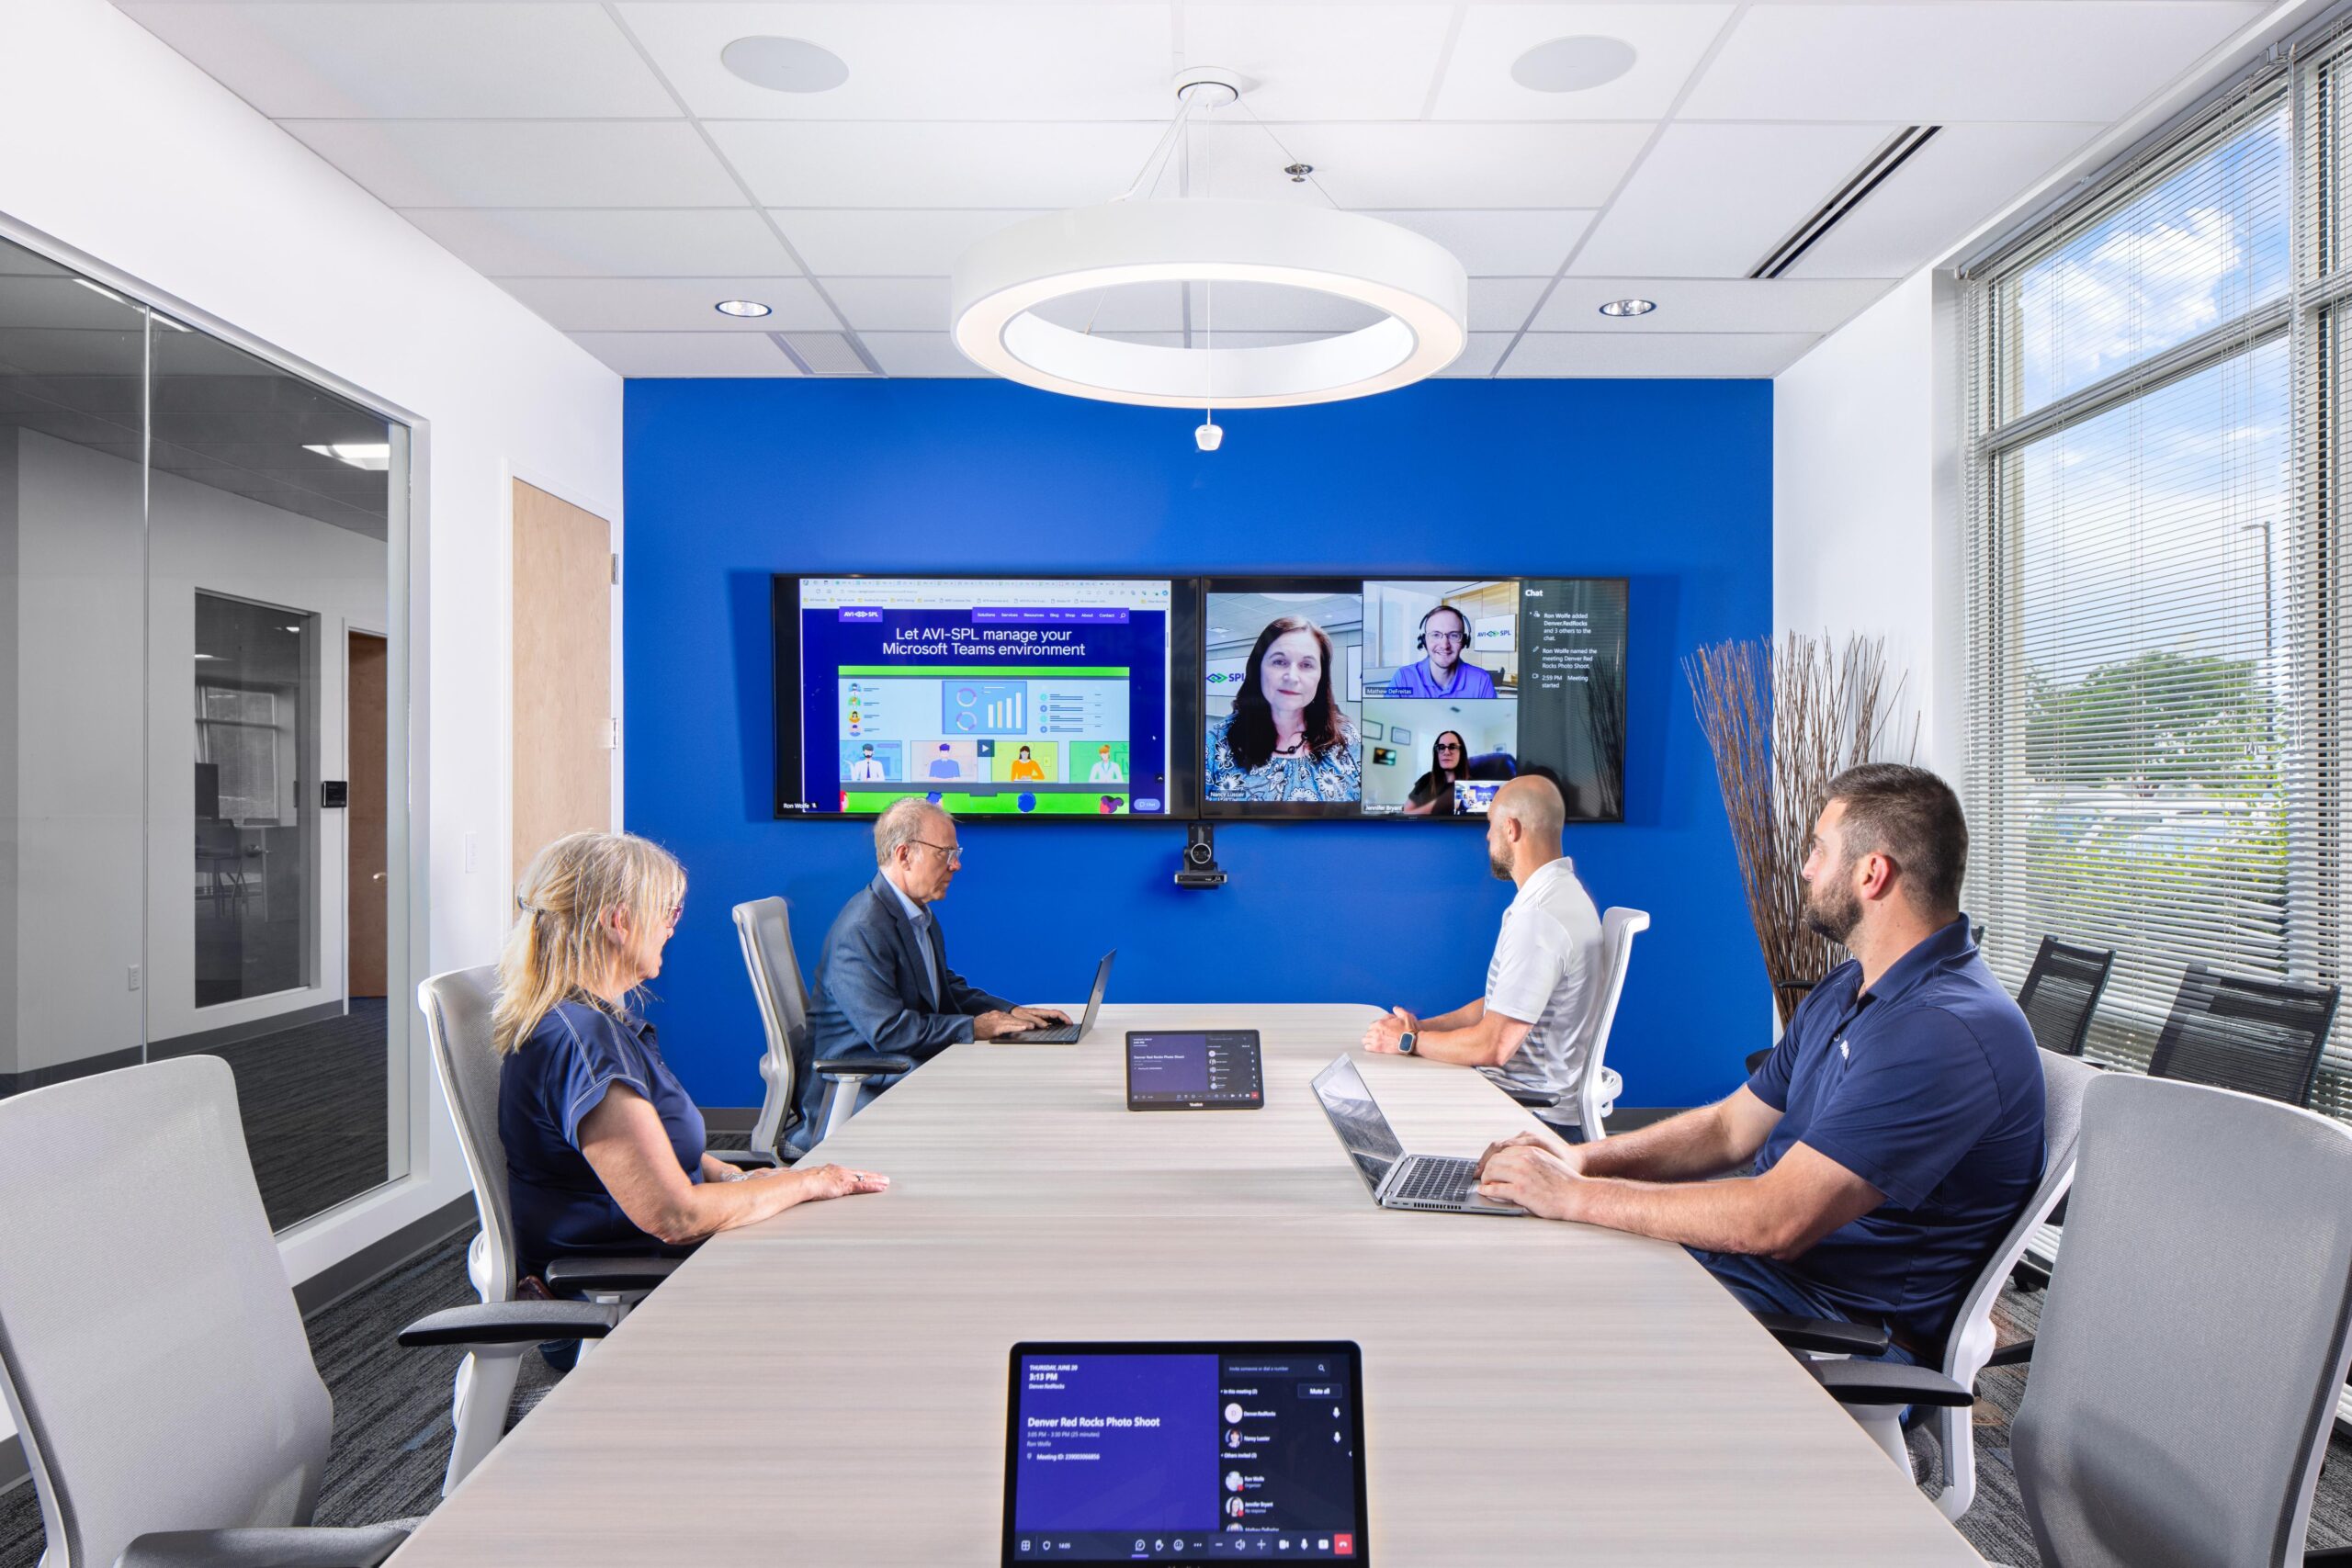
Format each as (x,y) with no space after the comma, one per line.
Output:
(1594,1096)
(456,1006)
(1875,1393)
(150,1348)
(764,928)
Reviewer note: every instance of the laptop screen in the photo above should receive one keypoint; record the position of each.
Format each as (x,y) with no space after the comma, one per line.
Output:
(1184,1454)
(1356,1117)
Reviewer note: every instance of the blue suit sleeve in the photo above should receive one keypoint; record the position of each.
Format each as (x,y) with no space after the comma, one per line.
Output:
(856,977)
(1911,1107)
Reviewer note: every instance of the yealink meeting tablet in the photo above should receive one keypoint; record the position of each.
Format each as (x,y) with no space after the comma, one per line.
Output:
(1200,1069)
(1185,1453)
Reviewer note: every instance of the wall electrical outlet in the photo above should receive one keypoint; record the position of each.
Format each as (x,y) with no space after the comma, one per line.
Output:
(134,977)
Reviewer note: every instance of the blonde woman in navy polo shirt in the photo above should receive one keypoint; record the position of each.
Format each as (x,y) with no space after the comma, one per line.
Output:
(1889,1140)
(604,1146)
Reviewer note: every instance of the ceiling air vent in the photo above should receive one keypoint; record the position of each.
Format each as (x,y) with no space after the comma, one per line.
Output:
(1890,156)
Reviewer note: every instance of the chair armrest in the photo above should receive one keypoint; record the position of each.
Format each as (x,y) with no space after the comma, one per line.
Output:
(585,1273)
(2329,1554)
(2013,1355)
(512,1322)
(1828,1335)
(1888,1383)
(746,1159)
(861,1064)
(1756,1059)
(295,1546)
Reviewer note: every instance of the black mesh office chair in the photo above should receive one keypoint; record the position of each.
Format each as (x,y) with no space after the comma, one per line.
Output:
(2255,1036)
(2061,991)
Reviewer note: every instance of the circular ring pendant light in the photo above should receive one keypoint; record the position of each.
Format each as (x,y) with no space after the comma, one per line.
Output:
(1416,286)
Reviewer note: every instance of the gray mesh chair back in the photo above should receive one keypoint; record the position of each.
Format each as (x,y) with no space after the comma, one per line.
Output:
(764,928)
(2061,991)
(2255,1036)
(456,1018)
(155,1364)
(1595,1096)
(1970,1345)
(2196,1330)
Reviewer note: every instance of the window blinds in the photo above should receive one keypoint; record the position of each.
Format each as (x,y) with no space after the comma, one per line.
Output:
(2154,617)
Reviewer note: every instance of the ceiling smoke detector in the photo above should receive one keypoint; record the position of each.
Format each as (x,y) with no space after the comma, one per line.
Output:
(785,65)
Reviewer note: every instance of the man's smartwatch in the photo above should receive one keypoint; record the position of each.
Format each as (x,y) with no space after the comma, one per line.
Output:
(1405,1043)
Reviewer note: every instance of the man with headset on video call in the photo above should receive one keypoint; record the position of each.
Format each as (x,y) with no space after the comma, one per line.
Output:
(1442,671)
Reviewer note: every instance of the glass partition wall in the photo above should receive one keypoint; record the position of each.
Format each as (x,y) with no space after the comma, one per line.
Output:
(198,721)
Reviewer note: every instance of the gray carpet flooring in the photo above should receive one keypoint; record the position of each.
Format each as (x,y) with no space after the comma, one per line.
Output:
(391,1428)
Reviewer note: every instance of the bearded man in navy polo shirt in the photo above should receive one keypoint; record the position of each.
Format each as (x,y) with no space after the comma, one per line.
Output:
(1890,1138)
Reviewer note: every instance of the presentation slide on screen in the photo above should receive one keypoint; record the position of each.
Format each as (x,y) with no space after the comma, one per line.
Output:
(1037,697)
(1121,1458)
(1411,697)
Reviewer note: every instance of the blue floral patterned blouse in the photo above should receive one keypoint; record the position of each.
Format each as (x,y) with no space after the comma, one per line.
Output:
(1336,774)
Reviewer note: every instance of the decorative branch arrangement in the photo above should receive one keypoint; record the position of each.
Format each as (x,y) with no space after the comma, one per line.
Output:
(1782,723)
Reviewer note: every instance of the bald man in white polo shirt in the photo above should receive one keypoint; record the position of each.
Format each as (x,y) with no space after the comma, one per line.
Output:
(1533,1029)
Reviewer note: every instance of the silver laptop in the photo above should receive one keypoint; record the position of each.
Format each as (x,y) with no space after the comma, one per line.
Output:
(1398,1180)
(1071,1034)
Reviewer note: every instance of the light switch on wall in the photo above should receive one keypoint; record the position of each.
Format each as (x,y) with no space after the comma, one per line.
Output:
(473,852)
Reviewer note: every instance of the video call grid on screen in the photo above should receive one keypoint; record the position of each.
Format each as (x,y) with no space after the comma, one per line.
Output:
(999,698)
(1516,672)
(1185,1453)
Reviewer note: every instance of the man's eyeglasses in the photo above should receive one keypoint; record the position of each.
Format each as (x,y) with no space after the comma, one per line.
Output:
(952,854)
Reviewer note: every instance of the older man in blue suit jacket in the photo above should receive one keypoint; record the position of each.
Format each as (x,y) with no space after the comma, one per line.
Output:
(884,983)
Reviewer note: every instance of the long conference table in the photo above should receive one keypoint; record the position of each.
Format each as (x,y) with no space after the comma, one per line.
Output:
(828,1387)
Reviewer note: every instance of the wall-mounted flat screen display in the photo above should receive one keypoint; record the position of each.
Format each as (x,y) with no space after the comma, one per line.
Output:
(1410,698)
(1061,697)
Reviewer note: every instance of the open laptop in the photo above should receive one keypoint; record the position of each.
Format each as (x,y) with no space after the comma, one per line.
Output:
(1071,1034)
(1398,1180)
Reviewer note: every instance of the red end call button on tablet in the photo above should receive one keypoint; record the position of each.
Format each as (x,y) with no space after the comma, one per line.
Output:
(1343,1546)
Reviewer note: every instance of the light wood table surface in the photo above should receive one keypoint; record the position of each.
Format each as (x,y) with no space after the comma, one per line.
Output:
(828,1387)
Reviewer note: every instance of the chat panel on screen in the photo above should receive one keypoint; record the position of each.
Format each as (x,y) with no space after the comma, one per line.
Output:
(1282,701)
(993,697)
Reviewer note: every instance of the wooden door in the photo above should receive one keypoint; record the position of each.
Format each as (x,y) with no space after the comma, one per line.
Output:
(365,955)
(563,671)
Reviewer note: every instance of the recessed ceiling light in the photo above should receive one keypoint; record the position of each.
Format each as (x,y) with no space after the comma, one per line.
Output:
(1629,307)
(373,456)
(743,308)
(785,65)
(1573,64)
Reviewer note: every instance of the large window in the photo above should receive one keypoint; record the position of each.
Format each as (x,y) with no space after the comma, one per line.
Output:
(2153,621)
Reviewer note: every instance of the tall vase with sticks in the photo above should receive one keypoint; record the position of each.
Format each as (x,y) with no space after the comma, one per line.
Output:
(1782,721)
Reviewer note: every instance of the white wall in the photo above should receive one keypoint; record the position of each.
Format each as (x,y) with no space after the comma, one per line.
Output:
(128,153)
(1866,533)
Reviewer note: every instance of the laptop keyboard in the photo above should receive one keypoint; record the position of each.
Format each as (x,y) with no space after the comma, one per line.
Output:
(1060,1035)
(1436,1179)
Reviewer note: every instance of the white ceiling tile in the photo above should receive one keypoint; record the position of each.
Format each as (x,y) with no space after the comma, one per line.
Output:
(1709,304)
(425,59)
(925,62)
(890,304)
(609,243)
(1499,244)
(1501,304)
(523,163)
(918,354)
(1710,200)
(1422,164)
(1668,41)
(1656,354)
(1936,63)
(1963,176)
(1373,61)
(854,241)
(688,353)
(1478,355)
(1269,308)
(813,163)
(671,304)
(828,353)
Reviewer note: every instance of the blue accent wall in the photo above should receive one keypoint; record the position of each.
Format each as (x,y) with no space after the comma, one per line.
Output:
(1666,483)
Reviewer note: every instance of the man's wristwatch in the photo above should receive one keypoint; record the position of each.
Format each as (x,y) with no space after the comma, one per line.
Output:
(1405,1043)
